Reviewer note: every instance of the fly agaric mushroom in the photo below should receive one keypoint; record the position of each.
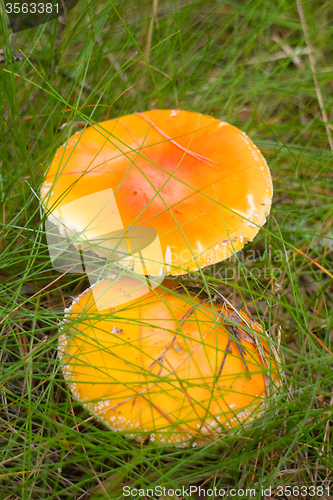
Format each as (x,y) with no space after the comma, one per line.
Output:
(199,182)
(167,366)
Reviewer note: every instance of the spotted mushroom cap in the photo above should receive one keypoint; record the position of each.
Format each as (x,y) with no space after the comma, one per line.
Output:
(167,366)
(199,182)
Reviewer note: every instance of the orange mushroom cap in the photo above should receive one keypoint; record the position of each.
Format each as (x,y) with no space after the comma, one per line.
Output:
(199,182)
(167,366)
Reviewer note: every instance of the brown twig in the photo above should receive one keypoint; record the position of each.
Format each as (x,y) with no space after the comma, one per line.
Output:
(184,318)
(236,338)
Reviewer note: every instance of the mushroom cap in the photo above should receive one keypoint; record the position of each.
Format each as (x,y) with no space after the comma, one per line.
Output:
(152,368)
(199,182)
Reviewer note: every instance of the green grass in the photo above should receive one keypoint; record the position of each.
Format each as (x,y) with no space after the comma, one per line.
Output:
(236,61)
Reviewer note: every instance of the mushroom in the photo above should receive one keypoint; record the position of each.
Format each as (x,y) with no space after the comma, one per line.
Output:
(200,183)
(167,366)
(163,191)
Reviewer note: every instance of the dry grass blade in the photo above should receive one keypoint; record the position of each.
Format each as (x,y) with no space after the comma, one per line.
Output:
(313,69)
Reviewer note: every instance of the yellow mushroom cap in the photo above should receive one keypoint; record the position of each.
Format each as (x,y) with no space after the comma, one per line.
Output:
(199,182)
(167,366)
